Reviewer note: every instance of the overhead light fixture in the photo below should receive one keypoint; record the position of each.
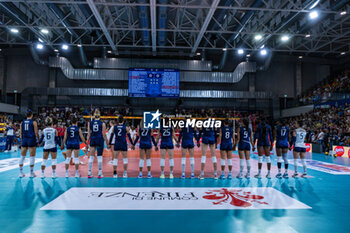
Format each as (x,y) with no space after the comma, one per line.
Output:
(64,47)
(257,37)
(262,46)
(39,46)
(315,4)
(300,57)
(109,51)
(44,31)
(248,55)
(55,50)
(313,14)
(78,45)
(342,53)
(343,13)
(14,30)
(263,52)
(198,54)
(240,51)
(307,35)
(39,39)
(285,38)
(224,49)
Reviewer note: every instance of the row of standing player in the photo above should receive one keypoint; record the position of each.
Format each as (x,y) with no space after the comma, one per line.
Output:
(97,137)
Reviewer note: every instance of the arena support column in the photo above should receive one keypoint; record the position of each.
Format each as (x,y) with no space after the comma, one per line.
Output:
(52,84)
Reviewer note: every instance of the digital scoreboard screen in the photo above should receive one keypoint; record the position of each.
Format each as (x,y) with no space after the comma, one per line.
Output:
(153,82)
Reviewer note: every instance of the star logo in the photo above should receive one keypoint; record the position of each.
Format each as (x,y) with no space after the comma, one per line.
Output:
(151,120)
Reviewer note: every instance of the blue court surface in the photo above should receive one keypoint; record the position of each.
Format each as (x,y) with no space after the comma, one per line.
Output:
(324,194)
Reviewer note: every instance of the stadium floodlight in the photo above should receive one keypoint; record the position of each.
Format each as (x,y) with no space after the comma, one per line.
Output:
(313,14)
(55,50)
(284,38)
(64,47)
(258,37)
(79,45)
(307,35)
(198,54)
(300,57)
(248,55)
(14,30)
(39,46)
(44,31)
(315,4)
(109,51)
(263,52)
(224,49)
(343,13)
(240,51)
(39,39)
(342,53)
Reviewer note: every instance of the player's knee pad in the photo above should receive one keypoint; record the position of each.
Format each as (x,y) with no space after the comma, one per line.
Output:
(54,162)
(76,161)
(192,160)
(214,159)
(268,159)
(31,160)
(141,163)
(229,162)
(203,159)
(171,162)
(260,159)
(285,158)
(115,162)
(125,161)
(43,163)
(183,161)
(21,160)
(67,160)
(279,159)
(223,162)
(241,162)
(148,162)
(162,162)
(303,162)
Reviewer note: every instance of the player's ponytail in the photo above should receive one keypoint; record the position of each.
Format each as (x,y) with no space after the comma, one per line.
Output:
(97,114)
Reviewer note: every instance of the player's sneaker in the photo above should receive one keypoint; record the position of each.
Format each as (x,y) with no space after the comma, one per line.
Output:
(149,176)
(201,177)
(115,176)
(229,176)
(100,176)
(6,151)
(304,175)
(67,175)
(285,175)
(222,177)
(247,175)
(21,175)
(90,175)
(171,176)
(268,176)
(239,176)
(42,176)
(32,175)
(54,176)
(279,175)
(183,176)
(215,177)
(77,175)
(295,175)
(140,176)
(192,175)
(258,176)
(125,175)
(162,176)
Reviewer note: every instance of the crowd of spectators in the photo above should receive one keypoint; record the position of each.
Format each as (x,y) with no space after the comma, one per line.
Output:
(326,89)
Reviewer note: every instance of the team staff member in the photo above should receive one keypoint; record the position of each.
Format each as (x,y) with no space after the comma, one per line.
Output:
(10,135)
(29,138)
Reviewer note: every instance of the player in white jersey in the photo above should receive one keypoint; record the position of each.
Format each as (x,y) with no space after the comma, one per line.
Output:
(49,138)
(299,136)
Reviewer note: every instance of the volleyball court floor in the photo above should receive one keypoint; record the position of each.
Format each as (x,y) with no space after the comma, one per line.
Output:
(318,203)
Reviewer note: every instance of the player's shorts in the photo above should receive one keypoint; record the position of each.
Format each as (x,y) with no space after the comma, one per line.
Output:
(263,144)
(51,150)
(282,145)
(145,145)
(208,141)
(29,142)
(243,146)
(166,145)
(299,149)
(226,146)
(187,145)
(72,146)
(97,142)
(120,147)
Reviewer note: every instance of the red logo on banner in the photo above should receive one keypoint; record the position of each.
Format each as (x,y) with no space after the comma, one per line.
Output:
(237,197)
(339,150)
(349,153)
(308,147)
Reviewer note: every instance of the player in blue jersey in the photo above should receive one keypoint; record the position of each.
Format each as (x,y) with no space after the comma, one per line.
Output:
(71,140)
(208,140)
(29,138)
(226,146)
(146,140)
(49,138)
(265,143)
(186,136)
(166,134)
(282,138)
(244,140)
(120,131)
(97,137)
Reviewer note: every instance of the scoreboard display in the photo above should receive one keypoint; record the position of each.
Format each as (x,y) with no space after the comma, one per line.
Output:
(153,82)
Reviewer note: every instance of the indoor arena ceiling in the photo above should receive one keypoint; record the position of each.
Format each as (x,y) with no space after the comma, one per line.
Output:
(180,27)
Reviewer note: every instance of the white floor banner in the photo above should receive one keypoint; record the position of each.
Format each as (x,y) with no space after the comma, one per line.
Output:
(12,163)
(153,198)
(330,168)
